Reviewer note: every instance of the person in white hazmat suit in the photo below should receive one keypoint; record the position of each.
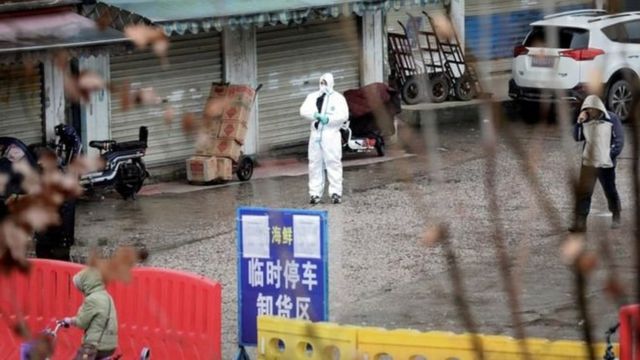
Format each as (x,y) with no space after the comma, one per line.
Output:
(327,111)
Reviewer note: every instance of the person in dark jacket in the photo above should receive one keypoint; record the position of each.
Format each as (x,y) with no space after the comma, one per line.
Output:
(603,135)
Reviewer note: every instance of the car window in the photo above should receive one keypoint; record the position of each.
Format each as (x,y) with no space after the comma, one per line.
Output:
(568,38)
(616,33)
(632,29)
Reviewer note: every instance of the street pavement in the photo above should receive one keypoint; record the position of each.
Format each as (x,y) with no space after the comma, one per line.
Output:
(381,272)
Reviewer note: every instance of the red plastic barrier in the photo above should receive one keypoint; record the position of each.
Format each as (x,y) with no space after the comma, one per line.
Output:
(177,315)
(630,332)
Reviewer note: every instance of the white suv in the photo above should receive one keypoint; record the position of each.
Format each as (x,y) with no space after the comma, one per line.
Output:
(565,51)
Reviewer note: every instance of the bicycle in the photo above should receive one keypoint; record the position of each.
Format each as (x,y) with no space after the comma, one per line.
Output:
(609,354)
(47,338)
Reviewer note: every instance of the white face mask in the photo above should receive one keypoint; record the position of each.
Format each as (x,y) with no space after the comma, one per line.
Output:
(324,89)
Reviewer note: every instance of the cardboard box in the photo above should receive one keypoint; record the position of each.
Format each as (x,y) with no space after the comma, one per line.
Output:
(202,169)
(237,113)
(233,130)
(222,148)
(241,93)
(225,168)
(212,127)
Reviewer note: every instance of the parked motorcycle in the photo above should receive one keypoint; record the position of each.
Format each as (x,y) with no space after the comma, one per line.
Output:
(124,168)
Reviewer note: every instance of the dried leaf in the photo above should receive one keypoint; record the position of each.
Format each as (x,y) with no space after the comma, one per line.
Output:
(39,218)
(61,59)
(79,88)
(33,212)
(14,242)
(161,47)
(443,27)
(147,96)
(587,262)
(169,114)
(433,235)
(203,140)
(119,266)
(215,107)
(138,34)
(614,288)
(189,123)
(90,81)
(29,68)
(572,248)
(143,254)
(4,181)
(144,35)
(72,90)
(86,164)
(124,91)
(21,329)
(595,82)
(104,21)
(42,347)
(48,160)
(30,178)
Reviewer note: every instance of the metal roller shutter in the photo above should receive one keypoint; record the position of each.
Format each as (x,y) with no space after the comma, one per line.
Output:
(290,63)
(21,103)
(494,28)
(195,61)
(394,17)
(402,15)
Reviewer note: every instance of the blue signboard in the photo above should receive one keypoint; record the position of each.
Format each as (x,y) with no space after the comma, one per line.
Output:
(282,267)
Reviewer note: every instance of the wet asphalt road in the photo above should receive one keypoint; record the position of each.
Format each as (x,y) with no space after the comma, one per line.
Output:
(381,273)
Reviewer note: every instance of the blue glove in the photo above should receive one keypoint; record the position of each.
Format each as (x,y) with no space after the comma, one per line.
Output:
(316,116)
(324,119)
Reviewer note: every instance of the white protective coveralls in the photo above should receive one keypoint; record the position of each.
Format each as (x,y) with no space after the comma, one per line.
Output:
(325,142)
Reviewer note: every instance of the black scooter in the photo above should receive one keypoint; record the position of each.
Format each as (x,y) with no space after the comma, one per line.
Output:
(124,168)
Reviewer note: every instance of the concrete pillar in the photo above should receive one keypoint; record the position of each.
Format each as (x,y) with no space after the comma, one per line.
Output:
(54,102)
(95,115)
(456,13)
(372,64)
(241,67)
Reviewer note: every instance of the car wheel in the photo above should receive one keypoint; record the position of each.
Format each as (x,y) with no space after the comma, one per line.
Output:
(529,111)
(619,98)
(380,150)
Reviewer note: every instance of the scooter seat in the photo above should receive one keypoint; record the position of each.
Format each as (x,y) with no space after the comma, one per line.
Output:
(130,145)
(101,144)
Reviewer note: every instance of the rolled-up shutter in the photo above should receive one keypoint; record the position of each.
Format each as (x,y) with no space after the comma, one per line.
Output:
(494,28)
(290,63)
(21,103)
(194,62)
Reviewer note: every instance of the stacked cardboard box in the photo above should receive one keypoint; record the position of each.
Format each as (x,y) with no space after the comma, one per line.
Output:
(226,115)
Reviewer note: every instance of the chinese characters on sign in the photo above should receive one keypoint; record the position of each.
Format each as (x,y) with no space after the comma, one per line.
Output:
(282,267)
(293,274)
